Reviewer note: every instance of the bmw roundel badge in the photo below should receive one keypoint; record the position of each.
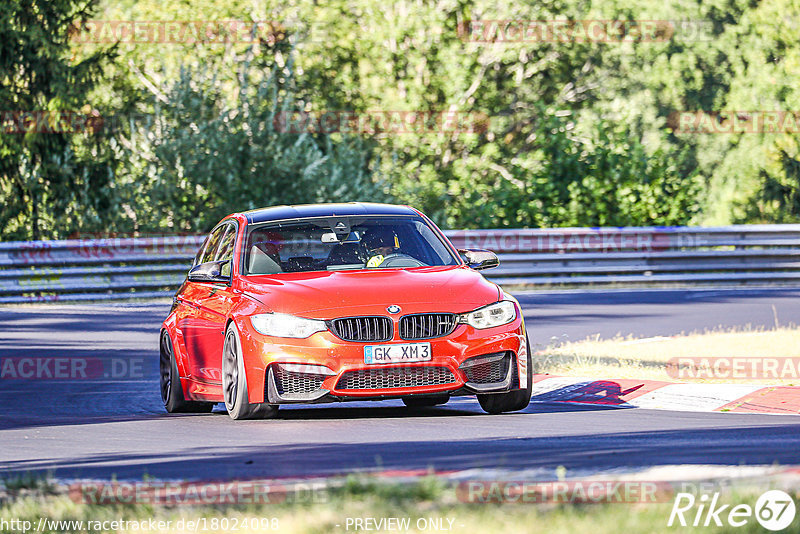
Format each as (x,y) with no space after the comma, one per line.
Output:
(394,308)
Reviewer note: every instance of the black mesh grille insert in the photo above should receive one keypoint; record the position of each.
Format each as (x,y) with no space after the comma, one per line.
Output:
(294,382)
(375,328)
(395,377)
(427,325)
(488,371)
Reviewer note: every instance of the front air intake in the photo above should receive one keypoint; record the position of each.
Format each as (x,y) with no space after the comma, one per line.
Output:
(395,377)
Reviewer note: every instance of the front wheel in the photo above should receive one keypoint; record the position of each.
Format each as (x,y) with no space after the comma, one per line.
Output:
(512,401)
(234,384)
(170,381)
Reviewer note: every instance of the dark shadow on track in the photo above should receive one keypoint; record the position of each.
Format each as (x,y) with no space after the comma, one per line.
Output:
(727,446)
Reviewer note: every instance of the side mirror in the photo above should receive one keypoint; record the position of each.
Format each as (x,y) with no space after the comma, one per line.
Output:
(479,259)
(210,272)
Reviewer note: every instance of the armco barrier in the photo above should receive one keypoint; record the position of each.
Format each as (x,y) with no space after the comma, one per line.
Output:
(94,269)
(90,269)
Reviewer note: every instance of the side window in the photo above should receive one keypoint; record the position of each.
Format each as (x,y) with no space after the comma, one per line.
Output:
(199,254)
(212,243)
(225,249)
(439,249)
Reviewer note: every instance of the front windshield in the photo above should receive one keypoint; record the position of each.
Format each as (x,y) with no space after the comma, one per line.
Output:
(343,243)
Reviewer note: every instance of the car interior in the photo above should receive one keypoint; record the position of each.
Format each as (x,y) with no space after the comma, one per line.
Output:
(271,251)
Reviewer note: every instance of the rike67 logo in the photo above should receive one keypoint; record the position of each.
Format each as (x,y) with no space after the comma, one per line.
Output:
(774,510)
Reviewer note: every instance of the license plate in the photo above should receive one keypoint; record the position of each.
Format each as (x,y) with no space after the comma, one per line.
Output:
(397,353)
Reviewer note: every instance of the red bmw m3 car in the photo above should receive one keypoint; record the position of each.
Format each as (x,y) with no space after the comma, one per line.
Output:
(339,302)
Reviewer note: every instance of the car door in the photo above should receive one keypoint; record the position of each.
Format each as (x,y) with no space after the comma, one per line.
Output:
(185,315)
(198,332)
(213,304)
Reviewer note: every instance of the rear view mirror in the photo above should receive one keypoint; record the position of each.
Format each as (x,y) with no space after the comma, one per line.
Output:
(210,272)
(479,259)
(331,237)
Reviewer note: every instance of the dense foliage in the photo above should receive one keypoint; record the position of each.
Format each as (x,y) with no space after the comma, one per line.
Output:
(576,132)
(55,177)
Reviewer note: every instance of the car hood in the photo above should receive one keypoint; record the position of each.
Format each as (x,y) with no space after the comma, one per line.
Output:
(330,294)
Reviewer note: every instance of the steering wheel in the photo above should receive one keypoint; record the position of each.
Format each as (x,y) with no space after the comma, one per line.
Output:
(398,259)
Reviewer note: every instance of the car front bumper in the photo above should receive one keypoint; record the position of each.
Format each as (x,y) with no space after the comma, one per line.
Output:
(324,368)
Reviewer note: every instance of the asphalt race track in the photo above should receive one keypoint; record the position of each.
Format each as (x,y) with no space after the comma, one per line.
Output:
(96,428)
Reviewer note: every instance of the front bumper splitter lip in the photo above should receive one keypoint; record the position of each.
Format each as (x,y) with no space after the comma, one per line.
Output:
(326,396)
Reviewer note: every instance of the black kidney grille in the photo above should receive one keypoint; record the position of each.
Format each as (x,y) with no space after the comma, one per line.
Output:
(395,377)
(374,328)
(427,325)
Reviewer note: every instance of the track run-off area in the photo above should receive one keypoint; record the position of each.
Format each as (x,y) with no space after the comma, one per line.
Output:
(114,425)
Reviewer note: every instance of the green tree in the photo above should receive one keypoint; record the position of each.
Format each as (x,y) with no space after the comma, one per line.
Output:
(532,166)
(204,152)
(48,179)
(579,131)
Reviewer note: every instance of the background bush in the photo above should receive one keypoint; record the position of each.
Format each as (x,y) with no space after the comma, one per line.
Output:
(578,133)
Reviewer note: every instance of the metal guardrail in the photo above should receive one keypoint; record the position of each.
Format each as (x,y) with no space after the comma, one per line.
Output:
(118,268)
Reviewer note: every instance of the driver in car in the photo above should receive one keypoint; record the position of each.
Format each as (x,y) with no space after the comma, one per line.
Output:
(380,242)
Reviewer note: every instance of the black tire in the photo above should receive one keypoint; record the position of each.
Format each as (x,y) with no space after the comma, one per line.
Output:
(234,384)
(495,403)
(425,402)
(170,382)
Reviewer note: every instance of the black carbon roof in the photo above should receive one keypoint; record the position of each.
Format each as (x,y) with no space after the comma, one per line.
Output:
(300,211)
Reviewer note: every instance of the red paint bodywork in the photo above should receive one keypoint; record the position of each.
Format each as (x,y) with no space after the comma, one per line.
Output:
(202,312)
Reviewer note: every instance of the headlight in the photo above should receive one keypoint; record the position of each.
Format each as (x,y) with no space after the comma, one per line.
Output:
(496,314)
(283,325)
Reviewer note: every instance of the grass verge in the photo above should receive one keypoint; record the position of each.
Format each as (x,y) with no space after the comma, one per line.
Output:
(427,505)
